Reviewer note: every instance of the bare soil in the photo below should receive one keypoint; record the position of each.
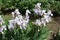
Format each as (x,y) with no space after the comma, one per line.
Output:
(54,26)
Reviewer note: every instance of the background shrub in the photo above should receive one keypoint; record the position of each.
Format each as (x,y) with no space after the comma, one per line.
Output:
(24,4)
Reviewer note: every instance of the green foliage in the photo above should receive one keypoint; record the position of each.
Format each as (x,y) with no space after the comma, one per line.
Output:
(31,33)
(24,4)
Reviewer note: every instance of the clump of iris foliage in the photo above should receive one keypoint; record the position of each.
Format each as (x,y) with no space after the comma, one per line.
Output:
(31,33)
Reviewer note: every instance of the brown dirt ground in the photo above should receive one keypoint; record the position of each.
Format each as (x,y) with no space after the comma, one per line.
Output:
(54,25)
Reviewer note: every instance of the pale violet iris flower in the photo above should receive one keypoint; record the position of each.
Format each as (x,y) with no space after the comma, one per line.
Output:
(10,26)
(13,14)
(37,22)
(50,13)
(1,30)
(17,12)
(1,20)
(38,5)
(45,15)
(43,21)
(3,27)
